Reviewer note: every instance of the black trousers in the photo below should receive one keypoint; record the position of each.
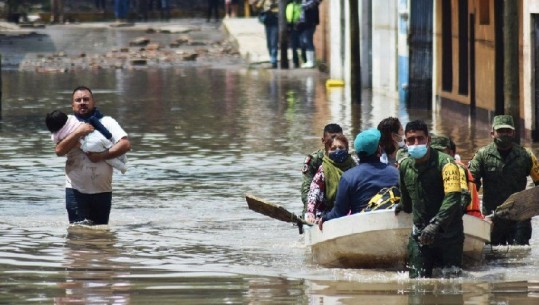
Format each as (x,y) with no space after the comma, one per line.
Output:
(213,5)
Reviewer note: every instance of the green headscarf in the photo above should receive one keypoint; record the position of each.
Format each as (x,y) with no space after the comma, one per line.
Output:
(332,175)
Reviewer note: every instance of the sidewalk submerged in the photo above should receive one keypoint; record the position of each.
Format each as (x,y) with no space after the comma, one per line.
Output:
(246,34)
(250,38)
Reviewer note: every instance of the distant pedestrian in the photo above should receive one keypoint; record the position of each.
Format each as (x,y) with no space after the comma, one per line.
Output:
(268,15)
(293,13)
(231,8)
(101,5)
(57,11)
(143,7)
(165,10)
(151,4)
(213,7)
(309,19)
(121,9)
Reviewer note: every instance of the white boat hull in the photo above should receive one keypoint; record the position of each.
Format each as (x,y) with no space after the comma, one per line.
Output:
(380,239)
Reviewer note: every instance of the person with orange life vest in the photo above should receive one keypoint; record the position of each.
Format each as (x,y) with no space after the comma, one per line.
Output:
(470,197)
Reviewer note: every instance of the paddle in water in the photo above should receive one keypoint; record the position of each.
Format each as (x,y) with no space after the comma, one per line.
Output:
(274,211)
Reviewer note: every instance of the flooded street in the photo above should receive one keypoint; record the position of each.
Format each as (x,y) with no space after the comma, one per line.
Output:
(180,229)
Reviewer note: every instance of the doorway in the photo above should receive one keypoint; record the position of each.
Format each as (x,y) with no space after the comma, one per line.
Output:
(420,37)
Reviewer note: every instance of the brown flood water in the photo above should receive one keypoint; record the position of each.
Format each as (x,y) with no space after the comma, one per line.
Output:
(180,229)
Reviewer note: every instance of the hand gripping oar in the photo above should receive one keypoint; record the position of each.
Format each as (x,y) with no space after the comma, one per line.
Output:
(519,206)
(274,211)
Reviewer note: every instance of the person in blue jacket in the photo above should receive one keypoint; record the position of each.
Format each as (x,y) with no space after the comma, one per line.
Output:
(359,184)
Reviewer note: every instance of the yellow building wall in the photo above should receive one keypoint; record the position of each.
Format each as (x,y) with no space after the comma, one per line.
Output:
(484,56)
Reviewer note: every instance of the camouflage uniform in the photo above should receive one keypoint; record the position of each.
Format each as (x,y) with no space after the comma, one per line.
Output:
(310,167)
(432,192)
(501,178)
(441,144)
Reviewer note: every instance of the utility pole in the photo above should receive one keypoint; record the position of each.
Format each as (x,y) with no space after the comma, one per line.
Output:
(283,34)
(355,64)
(511,63)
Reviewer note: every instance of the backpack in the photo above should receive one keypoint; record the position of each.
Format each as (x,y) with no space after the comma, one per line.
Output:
(386,198)
(293,12)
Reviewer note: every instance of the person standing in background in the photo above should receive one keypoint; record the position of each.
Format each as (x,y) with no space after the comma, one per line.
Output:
(309,19)
(213,6)
(231,8)
(101,5)
(57,11)
(269,16)
(165,10)
(121,10)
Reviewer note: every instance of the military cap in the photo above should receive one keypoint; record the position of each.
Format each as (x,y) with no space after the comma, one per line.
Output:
(440,142)
(503,121)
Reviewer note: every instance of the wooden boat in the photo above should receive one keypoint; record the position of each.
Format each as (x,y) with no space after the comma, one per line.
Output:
(375,239)
(379,239)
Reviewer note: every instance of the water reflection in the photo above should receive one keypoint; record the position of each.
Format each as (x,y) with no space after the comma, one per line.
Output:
(180,228)
(95,272)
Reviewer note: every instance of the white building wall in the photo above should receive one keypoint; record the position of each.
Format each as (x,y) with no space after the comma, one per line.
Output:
(337,30)
(384,46)
(529,8)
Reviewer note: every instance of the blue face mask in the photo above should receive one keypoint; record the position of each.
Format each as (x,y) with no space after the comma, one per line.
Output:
(417,151)
(339,156)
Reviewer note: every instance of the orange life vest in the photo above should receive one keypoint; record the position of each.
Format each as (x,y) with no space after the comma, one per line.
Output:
(474,207)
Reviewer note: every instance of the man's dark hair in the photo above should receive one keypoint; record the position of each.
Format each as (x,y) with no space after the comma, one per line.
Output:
(388,127)
(332,128)
(417,125)
(55,120)
(82,88)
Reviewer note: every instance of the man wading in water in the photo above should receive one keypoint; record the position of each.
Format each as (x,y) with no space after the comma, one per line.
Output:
(88,176)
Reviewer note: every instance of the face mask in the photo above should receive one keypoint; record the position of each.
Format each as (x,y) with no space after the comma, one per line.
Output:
(338,156)
(503,141)
(401,141)
(417,151)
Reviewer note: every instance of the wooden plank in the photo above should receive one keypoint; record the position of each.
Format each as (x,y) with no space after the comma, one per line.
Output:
(272,210)
(520,206)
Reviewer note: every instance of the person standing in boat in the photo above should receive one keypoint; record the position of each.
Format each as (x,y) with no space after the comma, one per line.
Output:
(392,139)
(323,189)
(313,161)
(430,190)
(502,167)
(88,176)
(358,185)
(470,197)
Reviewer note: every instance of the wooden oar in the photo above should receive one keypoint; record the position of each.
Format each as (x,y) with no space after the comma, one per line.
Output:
(520,206)
(274,210)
